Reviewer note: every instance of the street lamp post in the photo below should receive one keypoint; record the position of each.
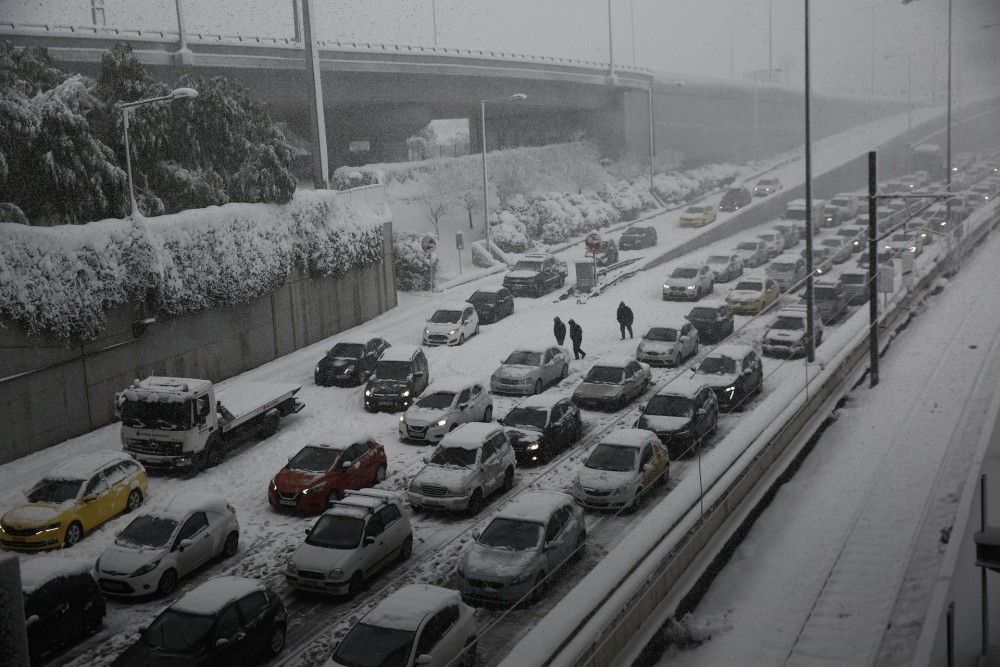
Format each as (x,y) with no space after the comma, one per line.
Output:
(516,97)
(126,109)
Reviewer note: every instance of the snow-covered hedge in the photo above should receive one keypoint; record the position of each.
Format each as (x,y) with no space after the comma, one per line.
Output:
(62,280)
(679,188)
(414,269)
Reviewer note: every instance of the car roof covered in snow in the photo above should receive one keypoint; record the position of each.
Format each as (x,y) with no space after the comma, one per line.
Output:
(85,465)
(470,436)
(534,506)
(732,350)
(215,594)
(453,384)
(180,507)
(542,401)
(36,572)
(406,608)
(165,389)
(684,385)
(400,353)
(627,437)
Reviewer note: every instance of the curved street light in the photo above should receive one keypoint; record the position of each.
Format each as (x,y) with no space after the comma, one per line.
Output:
(516,97)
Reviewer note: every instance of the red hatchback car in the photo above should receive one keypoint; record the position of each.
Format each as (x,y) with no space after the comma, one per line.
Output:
(319,474)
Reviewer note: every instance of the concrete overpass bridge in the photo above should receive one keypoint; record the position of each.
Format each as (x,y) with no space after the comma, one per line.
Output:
(376,95)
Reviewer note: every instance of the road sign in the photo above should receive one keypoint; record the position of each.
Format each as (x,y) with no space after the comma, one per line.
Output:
(428,243)
(593,241)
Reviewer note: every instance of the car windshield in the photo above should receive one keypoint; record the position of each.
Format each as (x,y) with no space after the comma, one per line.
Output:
(372,646)
(54,490)
(853,278)
(617,458)
(695,210)
(169,416)
(347,351)
(710,314)
(524,358)
(824,292)
(749,286)
(535,418)
(178,632)
(392,370)
(511,534)
(717,365)
(332,531)
(747,245)
(314,459)
(605,375)
(684,273)
(524,265)
(718,259)
(437,400)
(483,297)
(668,406)
(147,531)
(662,335)
(789,323)
(782,266)
(454,456)
(446,316)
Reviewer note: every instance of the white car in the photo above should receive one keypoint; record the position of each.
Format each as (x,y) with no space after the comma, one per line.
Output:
(470,463)
(419,624)
(668,343)
(624,464)
(522,546)
(443,406)
(451,325)
(774,242)
(168,542)
(689,282)
(351,542)
(753,253)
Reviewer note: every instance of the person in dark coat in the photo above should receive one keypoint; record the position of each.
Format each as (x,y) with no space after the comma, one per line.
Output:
(559,329)
(576,335)
(625,318)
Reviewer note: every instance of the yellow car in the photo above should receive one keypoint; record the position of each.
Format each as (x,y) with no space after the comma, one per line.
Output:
(752,295)
(697,216)
(73,499)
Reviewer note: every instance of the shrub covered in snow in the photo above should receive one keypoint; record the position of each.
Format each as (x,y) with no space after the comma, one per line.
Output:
(63,280)
(414,268)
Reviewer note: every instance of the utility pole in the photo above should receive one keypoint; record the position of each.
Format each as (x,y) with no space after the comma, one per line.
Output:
(810,305)
(317,113)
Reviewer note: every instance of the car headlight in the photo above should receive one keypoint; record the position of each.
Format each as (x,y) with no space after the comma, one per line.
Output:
(532,447)
(335,573)
(314,489)
(368,392)
(145,569)
(441,422)
(406,392)
(291,569)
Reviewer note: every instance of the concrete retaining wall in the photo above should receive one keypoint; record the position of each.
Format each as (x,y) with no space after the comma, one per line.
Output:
(49,392)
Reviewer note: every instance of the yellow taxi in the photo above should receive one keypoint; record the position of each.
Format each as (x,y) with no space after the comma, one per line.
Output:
(752,294)
(76,497)
(697,216)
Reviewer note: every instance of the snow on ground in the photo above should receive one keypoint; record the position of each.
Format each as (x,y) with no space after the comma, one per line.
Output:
(816,579)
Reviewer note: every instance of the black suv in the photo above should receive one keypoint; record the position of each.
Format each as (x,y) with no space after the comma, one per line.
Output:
(735,199)
(349,363)
(225,621)
(400,376)
(541,426)
(637,238)
(714,322)
(683,415)
(60,607)
(492,305)
(734,372)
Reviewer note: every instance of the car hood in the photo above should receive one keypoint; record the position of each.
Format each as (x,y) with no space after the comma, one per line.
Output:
(520,435)
(658,346)
(604,479)
(522,273)
(663,423)
(505,564)
(125,559)
(744,295)
(515,372)
(321,559)
(423,416)
(293,481)
(588,390)
(378,386)
(455,479)
(441,327)
(33,515)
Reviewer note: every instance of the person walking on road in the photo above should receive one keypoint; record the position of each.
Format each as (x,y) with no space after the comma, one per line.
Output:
(559,329)
(576,335)
(625,319)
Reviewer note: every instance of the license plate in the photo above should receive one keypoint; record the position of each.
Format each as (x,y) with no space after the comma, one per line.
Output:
(290,503)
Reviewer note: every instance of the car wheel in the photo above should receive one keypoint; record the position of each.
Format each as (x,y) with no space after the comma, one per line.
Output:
(134,500)
(168,582)
(508,480)
(276,640)
(355,585)
(74,533)
(538,386)
(475,502)
(232,545)
(488,414)
(406,550)
(380,475)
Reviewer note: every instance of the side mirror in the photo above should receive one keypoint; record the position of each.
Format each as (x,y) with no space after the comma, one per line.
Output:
(369,540)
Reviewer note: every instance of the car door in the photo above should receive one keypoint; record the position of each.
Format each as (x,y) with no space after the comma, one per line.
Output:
(198,547)
(98,508)
(439,638)
(253,611)
(373,547)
